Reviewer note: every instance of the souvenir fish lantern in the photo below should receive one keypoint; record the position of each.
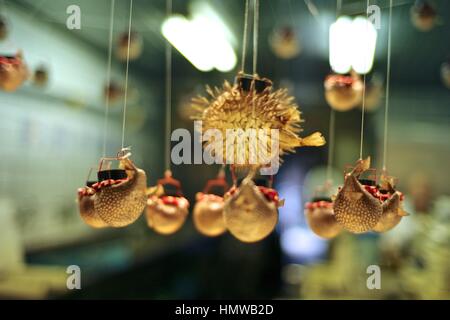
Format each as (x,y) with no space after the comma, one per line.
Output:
(284,43)
(251,209)
(251,103)
(208,211)
(13,72)
(392,202)
(343,92)
(112,92)
(320,216)
(119,195)
(167,208)
(445,73)
(40,76)
(136,46)
(356,206)
(423,15)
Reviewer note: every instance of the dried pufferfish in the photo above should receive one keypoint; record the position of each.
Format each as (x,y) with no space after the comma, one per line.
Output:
(392,205)
(167,210)
(208,210)
(119,197)
(320,216)
(13,72)
(251,211)
(252,104)
(355,208)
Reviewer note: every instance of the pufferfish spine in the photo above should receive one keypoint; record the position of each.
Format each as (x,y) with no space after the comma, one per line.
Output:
(234,108)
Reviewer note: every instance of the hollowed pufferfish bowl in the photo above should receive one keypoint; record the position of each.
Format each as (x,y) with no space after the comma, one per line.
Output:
(251,211)
(343,92)
(167,208)
(356,209)
(208,211)
(13,72)
(320,216)
(118,198)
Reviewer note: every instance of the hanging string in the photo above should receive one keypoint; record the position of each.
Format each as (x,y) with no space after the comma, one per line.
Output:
(331,128)
(244,36)
(168,92)
(388,77)
(108,77)
(126,75)
(363,107)
(255,34)
(255,47)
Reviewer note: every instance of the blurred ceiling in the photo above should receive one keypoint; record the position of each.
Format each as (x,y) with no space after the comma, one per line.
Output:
(416,56)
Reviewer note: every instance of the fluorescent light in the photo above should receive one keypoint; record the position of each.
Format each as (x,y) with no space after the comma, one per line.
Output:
(340,44)
(364,42)
(180,33)
(352,45)
(204,40)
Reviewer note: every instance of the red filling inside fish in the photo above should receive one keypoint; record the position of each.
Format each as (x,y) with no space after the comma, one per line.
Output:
(10,60)
(318,204)
(269,193)
(98,185)
(174,201)
(339,80)
(375,192)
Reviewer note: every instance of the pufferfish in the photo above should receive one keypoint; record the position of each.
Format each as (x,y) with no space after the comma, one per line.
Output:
(208,210)
(251,211)
(115,200)
(251,103)
(13,72)
(392,205)
(355,207)
(167,209)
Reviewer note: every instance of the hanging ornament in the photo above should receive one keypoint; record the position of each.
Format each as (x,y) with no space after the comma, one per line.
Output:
(3,28)
(135,42)
(374,92)
(284,43)
(13,72)
(319,213)
(423,15)
(86,206)
(119,196)
(167,209)
(392,202)
(40,76)
(113,92)
(250,210)
(208,211)
(343,92)
(251,103)
(445,73)
(356,206)
(320,217)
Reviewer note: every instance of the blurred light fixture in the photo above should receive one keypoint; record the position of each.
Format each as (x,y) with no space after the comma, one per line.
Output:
(352,45)
(204,39)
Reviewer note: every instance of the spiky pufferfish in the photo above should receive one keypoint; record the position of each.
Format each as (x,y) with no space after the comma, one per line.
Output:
(355,208)
(236,107)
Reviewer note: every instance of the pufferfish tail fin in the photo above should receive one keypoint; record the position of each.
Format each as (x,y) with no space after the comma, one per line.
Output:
(314,140)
